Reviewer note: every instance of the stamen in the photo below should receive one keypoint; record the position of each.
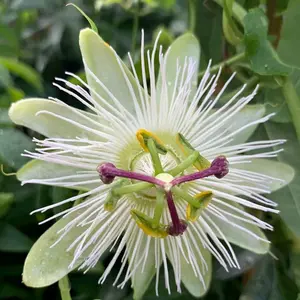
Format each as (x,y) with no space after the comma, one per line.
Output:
(108,172)
(144,135)
(218,168)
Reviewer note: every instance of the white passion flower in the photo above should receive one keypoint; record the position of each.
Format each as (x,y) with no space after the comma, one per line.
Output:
(177,177)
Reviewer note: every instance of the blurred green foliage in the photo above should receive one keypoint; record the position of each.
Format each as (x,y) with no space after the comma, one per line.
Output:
(39,40)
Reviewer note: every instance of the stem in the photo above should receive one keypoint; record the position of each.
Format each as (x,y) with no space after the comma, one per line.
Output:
(154,157)
(135,28)
(185,164)
(159,206)
(238,11)
(192,16)
(132,188)
(293,103)
(226,63)
(64,288)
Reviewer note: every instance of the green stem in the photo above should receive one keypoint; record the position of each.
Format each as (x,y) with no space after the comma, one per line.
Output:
(64,288)
(238,11)
(293,103)
(154,157)
(185,164)
(192,15)
(185,196)
(135,28)
(159,206)
(234,59)
(132,188)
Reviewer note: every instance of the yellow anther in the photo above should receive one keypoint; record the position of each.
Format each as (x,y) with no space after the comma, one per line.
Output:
(203,198)
(201,163)
(143,135)
(147,225)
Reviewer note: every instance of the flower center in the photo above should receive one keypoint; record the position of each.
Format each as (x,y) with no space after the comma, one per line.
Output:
(156,174)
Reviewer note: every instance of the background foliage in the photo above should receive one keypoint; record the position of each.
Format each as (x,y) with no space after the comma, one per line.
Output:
(259,39)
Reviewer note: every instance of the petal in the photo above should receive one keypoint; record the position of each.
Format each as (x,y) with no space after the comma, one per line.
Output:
(185,46)
(278,170)
(39,171)
(79,123)
(247,115)
(146,270)
(192,282)
(101,60)
(236,235)
(45,265)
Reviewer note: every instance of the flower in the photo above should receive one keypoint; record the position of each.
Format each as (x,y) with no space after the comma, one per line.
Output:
(164,174)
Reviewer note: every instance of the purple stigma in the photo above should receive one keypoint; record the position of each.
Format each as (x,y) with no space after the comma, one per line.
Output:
(105,173)
(221,164)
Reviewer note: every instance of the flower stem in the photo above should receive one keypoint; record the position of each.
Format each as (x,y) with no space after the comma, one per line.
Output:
(135,28)
(154,157)
(64,288)
(226,63)
(192,16)
(293,103)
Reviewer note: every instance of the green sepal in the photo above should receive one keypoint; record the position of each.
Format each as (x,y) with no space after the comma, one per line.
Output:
(201,163)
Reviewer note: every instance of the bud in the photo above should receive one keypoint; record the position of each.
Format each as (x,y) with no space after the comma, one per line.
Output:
(201,163)
(203,198)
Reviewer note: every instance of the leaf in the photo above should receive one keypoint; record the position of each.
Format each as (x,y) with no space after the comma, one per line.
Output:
(289,197)
(22,70)
(13,240)
(266,283)
(263,58)
(289,43)
(12,143)
(6,201)
(4,118)
(5,79)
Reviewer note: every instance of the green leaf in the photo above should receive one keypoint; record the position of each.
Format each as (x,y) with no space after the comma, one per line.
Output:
(25,113)
(272,168)
(192,283)
(4,118)
(44,264)
(103,62)
(235,235)
(263,58)
(12,143)
(267,283)
(6,201)
(38,169)
(184,46)
(142,277)
(22,70)
(5,79)
(13,240)
(289,43)
(288,198)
